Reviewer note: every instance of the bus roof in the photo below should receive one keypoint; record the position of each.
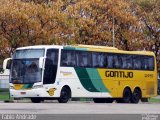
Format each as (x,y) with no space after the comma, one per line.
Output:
(97,47)
(88,48)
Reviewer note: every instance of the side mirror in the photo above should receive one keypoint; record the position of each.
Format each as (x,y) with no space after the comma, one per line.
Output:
(41,62)
(7,63)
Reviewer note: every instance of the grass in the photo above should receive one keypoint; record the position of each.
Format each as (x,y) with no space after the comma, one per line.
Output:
(155,100)
(4,94)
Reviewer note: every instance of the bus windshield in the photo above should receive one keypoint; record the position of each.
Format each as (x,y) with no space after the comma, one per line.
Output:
(25,71)
(25,66)
(28,53)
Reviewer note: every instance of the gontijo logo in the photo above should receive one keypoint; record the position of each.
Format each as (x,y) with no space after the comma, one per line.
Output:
(120,74)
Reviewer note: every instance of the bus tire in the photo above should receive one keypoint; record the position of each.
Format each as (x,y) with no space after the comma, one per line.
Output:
(126,96)
(136,96)
(64,96)
(36,100)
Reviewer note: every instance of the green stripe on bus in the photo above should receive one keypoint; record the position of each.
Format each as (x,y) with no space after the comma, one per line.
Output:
(96,79)
(69,48)
(85,79)
(27,86)
(81,49)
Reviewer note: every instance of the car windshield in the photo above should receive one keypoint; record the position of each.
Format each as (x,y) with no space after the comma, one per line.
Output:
(25,71)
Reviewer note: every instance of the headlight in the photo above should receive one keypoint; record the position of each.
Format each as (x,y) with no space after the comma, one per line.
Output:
(37,86)
(11,87)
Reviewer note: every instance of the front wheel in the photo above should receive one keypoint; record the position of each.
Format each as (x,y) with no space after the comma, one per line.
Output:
(64,96)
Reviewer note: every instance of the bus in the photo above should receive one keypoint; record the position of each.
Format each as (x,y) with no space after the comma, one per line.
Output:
(101,73)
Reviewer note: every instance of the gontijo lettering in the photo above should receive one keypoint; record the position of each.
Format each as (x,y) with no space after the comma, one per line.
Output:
(120,74)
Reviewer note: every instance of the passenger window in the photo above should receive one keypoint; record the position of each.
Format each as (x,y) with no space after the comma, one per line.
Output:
(83,59)
(68,58)
(110,61)
(151,63)
(147,63)
(99,60)
(136,62)
(127,62)
(116,61)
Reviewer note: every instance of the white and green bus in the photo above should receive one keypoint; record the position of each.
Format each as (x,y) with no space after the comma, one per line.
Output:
(63,72)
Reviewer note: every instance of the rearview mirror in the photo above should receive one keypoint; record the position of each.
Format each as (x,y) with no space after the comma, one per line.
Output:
(7,63)
(41,62)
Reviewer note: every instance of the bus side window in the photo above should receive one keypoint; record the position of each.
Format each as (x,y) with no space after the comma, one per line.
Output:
(68,58)
(99,60)
(136,62)
(147,63)
(116,63)
(110,61)
(83,59)
(144,63)
(127,62)
(151,63)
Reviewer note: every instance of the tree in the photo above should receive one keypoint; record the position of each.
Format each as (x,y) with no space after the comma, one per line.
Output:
(24,24)
(149,15)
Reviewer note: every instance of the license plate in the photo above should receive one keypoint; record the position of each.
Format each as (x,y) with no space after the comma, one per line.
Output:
(23,93)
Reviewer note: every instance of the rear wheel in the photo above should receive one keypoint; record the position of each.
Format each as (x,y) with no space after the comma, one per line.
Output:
(126,96)
(64,96)
(36,100)
(136,96)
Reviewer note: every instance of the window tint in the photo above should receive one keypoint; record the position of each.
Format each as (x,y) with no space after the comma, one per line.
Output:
(136,62)
(117,61)
(110,60)
(99,60)
(126,61)
(105,60)
(52,54)
(50,66)
(68,58)
(83,59)
(147,63)
(114,61)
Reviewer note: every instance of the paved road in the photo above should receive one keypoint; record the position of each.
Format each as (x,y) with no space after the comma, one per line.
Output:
(78,111)
(79,108)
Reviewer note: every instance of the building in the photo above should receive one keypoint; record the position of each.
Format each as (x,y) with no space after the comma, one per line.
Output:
(4,79)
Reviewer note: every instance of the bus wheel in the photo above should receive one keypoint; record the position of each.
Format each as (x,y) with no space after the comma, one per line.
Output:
(136,96)
(64,96)
(36,100)
(126,96)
